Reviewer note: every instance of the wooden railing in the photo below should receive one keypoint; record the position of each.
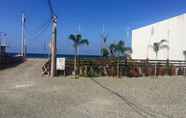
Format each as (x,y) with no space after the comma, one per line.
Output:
(128,67)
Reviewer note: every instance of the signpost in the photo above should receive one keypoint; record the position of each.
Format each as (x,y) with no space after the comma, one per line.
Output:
(61,64)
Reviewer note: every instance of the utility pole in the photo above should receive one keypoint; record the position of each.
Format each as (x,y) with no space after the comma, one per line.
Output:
(53,40)
(23,41)
(53,46)
(22,35)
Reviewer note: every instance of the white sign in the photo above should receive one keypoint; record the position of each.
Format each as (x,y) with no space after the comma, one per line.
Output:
(60,63)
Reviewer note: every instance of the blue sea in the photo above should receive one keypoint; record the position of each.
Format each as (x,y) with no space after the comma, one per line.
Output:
(45,56)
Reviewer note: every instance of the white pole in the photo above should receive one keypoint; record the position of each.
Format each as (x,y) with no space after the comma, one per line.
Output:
(23,40)
(22,34)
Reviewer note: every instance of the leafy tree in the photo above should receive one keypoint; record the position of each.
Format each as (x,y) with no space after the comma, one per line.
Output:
(78,40)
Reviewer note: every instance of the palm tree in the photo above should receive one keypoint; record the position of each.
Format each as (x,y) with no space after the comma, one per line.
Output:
(157,46)
(117,50)
(112,49)
(78,40)
(105,54)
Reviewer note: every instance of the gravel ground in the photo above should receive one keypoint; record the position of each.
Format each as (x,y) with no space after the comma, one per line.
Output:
(24,93)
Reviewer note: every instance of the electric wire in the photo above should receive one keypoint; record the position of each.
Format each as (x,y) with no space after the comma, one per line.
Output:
(52,13)
(38,33)
(31,31)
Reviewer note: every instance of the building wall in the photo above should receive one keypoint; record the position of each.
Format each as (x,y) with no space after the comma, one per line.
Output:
(173,30)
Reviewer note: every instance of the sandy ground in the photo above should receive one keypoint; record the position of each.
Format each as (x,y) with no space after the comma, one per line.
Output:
(24,93)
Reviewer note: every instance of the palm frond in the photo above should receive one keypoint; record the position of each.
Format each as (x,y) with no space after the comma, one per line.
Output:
(112,49)
(79,37)
(121,43)
(84,41)
(105,52)
(112,46)
(72,37)
(119,49)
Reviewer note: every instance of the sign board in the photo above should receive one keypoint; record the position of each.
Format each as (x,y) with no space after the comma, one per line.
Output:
(60,63)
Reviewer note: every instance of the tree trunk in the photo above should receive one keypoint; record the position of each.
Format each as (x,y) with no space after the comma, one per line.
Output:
(86,71)
(118,68)
(126,67)
(77,67)
(156,64)
(75,62)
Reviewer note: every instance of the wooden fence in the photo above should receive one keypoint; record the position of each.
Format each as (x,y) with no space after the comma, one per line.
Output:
(131,67)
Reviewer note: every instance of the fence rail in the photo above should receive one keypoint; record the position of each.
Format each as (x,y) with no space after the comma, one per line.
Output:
(128,67)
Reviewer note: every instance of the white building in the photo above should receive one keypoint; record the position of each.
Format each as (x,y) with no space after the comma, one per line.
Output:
(173,30)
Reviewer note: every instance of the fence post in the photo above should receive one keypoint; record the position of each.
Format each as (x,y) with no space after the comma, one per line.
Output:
(126,67)
(168,66)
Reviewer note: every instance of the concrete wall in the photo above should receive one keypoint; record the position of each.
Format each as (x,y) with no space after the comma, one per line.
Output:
(173,30)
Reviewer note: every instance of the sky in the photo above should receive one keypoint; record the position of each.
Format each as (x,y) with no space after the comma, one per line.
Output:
(88,17)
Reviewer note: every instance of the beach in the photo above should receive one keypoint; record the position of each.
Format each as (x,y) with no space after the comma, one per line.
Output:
(25,93)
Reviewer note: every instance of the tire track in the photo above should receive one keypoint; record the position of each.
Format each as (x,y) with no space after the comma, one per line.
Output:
(138,109)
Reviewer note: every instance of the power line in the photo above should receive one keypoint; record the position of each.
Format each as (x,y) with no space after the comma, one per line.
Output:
(40,27)
(52,13)
(39,33)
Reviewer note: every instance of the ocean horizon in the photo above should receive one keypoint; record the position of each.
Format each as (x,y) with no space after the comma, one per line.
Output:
(45,56)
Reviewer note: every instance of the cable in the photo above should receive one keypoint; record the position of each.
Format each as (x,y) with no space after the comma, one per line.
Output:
(51,8)
(39,27)
(37,35)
